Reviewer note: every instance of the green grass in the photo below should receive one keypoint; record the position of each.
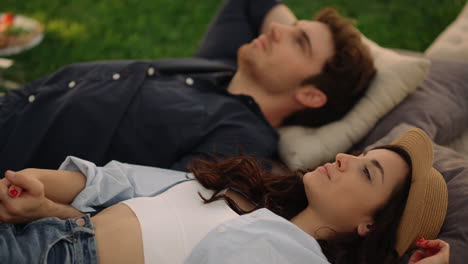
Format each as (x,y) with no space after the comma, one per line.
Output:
(87,30)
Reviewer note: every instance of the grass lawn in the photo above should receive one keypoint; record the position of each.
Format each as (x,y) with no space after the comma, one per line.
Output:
(87,30)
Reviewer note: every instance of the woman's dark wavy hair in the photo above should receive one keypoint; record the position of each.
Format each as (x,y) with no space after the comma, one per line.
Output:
(285,196)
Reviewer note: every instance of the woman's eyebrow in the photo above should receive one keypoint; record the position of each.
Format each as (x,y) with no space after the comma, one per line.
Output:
(377,164)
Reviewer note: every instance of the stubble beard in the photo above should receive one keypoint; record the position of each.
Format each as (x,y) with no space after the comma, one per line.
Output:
(246,63)
(250,68)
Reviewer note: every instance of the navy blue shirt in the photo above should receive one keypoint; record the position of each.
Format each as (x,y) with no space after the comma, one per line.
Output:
(159,113)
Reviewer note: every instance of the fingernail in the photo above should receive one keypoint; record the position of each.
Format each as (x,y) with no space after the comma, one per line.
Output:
(14,192)
(421,239)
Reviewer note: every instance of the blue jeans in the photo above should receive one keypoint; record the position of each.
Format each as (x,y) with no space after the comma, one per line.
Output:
(49,240)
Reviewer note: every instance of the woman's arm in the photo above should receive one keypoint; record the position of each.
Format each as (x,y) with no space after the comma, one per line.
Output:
(31,204)
(89,188)
(116,182)
(59,186)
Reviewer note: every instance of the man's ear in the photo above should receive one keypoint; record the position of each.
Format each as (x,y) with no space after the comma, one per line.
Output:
(311,97)
(365,227)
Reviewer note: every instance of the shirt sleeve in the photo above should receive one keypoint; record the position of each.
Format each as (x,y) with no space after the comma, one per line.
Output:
(237,22)
(116,182)
(258,9)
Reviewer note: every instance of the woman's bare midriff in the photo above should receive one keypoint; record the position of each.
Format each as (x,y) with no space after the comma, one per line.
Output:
(118,233)
(118,236)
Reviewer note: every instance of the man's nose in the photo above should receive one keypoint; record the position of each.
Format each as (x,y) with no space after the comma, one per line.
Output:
(274,31)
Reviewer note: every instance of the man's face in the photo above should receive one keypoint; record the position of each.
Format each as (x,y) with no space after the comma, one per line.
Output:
(282,58)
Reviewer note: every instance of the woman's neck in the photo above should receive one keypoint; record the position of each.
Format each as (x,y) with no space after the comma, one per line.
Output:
(310,223)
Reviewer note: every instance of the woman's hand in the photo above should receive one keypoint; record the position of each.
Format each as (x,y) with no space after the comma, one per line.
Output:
(431,252)
(59,186)
(26,203)
(14,190)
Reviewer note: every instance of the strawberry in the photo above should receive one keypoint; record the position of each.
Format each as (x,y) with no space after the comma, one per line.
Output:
(7,19)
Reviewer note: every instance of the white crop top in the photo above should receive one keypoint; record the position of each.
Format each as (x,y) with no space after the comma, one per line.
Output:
(173,222)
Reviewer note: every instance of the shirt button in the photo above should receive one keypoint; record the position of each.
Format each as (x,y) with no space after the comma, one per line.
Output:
(189,81)
(80,222)
(71,84)
(150,71)
(31,98)
(221,229)
(116,76)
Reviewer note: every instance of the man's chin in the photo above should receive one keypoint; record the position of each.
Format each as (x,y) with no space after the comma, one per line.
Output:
(245,56)
(242,51)
(247,62)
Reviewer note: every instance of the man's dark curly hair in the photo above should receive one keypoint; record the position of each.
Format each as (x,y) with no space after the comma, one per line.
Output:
(344,78)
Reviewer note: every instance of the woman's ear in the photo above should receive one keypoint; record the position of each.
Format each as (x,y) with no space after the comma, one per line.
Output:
(311,97)
(364,228)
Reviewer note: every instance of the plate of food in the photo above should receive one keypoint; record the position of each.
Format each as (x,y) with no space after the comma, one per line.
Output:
(18,33)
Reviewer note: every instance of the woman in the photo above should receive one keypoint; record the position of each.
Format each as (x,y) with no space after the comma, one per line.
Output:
(366,209)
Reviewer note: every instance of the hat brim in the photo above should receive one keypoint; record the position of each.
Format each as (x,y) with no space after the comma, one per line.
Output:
(427,201)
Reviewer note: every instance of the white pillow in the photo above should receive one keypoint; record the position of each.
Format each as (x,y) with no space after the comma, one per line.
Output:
(452,43)
(397,76)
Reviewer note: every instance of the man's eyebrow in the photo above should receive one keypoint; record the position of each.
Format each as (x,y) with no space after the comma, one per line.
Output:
(304,36)
(377,164)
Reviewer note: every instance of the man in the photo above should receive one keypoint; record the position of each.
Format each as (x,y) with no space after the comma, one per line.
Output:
(165,113)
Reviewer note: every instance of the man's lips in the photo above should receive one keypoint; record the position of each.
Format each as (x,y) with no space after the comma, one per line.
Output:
(262,42)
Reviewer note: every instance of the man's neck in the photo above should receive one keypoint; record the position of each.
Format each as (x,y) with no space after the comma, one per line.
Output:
(275,108)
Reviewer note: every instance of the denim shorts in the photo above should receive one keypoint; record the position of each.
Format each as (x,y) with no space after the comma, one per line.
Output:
(49,240)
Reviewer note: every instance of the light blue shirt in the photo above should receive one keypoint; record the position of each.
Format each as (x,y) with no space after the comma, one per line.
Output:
(258,237)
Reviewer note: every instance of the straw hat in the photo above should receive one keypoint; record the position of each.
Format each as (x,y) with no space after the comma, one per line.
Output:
(427,201)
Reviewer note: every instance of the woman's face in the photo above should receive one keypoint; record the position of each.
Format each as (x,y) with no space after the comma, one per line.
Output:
(345,194)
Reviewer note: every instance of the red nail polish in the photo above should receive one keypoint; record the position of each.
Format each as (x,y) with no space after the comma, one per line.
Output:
(13,192)
(421,239)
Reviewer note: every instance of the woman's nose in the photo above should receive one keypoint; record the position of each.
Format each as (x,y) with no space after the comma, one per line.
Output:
(342,161)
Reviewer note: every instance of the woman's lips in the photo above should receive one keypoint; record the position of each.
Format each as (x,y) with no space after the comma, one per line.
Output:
(324,170)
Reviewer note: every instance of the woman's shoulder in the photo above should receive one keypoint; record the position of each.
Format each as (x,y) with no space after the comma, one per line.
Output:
(257,237)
